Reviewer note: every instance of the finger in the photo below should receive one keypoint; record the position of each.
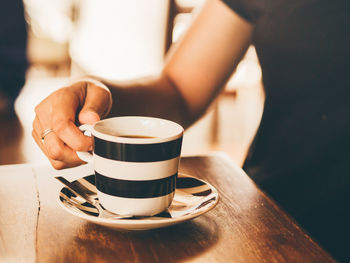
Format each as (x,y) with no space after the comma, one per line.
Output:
(54,148)
(70,134)
(58,151)
(97,104)
(36,126)
(55,164)
(61,118)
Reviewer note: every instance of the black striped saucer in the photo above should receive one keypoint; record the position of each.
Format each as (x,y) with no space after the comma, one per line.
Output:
(193,197)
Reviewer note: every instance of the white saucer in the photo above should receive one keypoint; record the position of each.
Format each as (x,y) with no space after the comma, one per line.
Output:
(193,197)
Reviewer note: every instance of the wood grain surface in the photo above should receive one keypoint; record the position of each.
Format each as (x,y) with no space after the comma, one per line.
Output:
(245,226)
(18,214)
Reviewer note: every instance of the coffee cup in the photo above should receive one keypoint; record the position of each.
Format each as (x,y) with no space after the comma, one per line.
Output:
(136,162)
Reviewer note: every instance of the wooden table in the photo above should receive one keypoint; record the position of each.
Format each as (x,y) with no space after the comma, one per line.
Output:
(245,226)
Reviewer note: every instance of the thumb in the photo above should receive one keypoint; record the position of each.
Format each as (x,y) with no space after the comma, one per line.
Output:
(96,105)
(88,117)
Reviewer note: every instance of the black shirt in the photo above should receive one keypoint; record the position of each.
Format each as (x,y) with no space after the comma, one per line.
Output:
(301,153)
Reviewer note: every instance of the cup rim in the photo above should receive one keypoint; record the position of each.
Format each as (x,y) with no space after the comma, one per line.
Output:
(178,134)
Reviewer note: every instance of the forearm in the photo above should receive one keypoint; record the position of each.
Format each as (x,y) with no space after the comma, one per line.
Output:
(193,74)
(155,96)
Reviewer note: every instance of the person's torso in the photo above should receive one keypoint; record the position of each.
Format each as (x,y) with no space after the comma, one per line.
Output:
(303,142)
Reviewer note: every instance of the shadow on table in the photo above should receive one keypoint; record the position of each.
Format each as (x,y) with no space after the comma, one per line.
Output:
(172,244)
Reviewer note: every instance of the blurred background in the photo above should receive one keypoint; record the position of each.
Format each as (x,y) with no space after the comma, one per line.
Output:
(44,43)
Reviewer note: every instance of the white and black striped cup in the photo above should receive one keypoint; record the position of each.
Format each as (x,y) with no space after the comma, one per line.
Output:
(136,163)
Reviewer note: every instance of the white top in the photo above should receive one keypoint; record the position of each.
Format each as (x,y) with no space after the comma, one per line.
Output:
(119,39)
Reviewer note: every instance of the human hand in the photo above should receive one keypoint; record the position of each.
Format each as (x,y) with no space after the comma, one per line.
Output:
(83,102)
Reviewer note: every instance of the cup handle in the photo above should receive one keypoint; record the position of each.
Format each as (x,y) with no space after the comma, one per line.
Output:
(85,156)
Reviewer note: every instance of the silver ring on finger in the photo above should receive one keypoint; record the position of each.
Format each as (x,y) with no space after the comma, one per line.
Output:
(44,133)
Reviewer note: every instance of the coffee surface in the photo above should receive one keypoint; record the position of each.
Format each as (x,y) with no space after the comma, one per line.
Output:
(136,136)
